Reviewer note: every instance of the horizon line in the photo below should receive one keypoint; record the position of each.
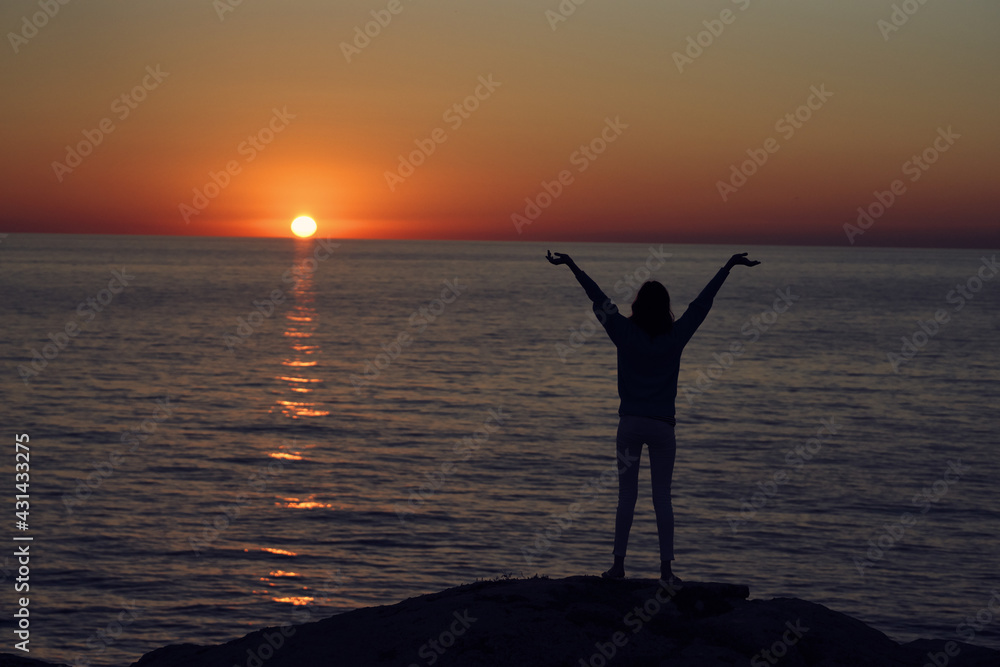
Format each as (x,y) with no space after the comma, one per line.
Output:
(916,245)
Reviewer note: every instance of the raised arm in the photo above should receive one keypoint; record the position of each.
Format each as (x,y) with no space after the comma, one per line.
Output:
(698,309)
(594,293)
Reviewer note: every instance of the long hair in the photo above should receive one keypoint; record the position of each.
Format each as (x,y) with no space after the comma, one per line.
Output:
(651,309)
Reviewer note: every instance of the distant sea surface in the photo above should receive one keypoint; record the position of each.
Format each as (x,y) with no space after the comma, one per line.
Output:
(247,432)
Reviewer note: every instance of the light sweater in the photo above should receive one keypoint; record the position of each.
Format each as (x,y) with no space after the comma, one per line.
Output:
(648,367)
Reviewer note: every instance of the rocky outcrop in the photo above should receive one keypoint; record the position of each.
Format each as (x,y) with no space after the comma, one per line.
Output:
(578,622)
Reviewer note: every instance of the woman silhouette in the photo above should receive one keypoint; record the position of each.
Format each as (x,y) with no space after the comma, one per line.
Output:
(649,346)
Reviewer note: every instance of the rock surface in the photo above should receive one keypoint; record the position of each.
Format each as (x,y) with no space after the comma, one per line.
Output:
(574,622)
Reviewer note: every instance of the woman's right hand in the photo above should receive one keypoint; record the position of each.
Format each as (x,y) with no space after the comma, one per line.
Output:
(741,260)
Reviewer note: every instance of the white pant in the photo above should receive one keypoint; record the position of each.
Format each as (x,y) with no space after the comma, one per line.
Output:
(658,435)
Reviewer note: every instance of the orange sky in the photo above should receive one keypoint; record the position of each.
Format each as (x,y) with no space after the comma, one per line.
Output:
(311,118)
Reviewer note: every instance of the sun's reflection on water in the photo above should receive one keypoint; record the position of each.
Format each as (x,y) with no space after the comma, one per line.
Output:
(296,399)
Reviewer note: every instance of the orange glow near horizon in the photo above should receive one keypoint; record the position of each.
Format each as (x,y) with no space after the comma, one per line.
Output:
(590,129)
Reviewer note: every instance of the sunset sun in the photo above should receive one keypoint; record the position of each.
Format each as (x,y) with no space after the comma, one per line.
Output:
(303,227)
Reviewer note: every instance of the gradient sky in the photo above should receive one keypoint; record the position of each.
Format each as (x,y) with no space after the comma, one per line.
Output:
(230,66)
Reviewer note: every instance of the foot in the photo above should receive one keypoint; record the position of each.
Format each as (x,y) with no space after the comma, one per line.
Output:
(616,572)
(672,580)
(667,576)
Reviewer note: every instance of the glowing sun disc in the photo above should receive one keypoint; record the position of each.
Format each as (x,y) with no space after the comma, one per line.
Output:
(303,226)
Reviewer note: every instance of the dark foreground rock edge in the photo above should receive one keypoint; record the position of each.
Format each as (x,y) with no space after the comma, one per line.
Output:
(572,622)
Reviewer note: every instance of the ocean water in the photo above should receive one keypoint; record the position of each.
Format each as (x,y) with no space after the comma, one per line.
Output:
(401,417)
